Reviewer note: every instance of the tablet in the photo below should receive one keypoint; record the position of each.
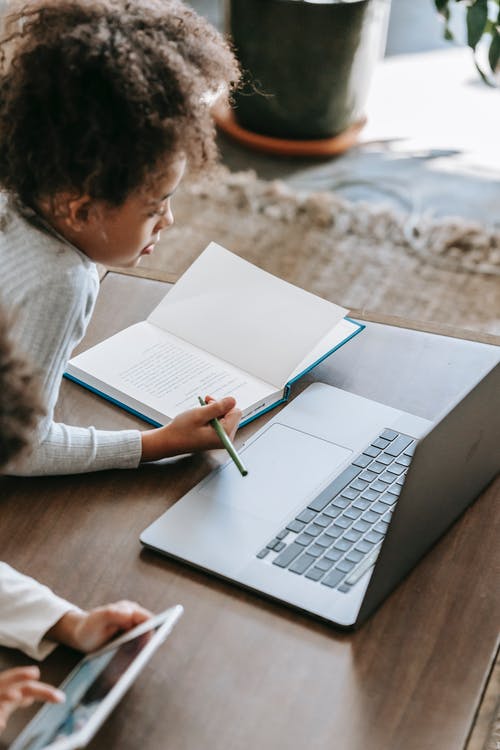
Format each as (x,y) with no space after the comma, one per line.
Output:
(94,687)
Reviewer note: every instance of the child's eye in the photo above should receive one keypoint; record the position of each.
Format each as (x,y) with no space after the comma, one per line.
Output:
(160,210)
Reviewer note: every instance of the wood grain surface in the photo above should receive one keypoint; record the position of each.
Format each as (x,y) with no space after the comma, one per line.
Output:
(240,671)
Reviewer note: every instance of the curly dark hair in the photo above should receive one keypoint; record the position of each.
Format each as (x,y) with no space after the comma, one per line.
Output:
(97,95)
(20,401)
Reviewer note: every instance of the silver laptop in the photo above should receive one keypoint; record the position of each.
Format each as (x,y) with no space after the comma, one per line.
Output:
(343,497)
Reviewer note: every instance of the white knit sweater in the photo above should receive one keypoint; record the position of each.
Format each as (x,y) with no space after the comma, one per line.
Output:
(27,611)
(48,289)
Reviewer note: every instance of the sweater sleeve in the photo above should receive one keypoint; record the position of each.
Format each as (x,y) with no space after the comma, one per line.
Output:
(27,611)
(48,331)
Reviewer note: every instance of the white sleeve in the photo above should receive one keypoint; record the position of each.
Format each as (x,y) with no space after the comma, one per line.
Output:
(27,611)
(48,331)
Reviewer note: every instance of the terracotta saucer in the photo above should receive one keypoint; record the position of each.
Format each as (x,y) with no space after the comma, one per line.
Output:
(226,121)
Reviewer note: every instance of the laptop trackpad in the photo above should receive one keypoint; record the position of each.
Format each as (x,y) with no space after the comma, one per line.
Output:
(285,467)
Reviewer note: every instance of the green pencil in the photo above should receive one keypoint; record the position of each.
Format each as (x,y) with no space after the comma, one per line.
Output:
(226,442)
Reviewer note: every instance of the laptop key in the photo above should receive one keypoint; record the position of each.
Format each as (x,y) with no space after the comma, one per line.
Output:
(343,522)
(358,484)
(345,566)
(354,556)
(333,554)
(296,526)
(381,443)
(388,434)
(262,553)
(304,539)
(364,546)
(361,525)
(350,493)
(337,486)
(315,550)
(371,451)
(324,564)
(352,513)
(395,490)
(288,555)
(352,535)
(306,516)
(396,468)
(343,545)
(324,541)
(278,546)
(334,531)
(379,508)
(377,467)
(333,578)
(282,534)
(378,486)
(332,511)
(388,498)
(382,527)
(387,477)
(272,543)
(315,574)
(384,459)
(302,563)
(361,503)
(322,520)
(313,529)
(398,445)
(374,536)
(370,495)
(370,516)
(341,502)
(362,461)
(403,460)
(368,475)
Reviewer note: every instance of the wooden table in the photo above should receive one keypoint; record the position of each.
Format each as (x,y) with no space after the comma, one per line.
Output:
(239,671)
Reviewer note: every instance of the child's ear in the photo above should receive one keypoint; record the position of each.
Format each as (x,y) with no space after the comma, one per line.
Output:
(78,211)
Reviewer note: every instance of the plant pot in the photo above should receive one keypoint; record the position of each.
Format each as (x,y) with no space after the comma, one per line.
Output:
(307,65)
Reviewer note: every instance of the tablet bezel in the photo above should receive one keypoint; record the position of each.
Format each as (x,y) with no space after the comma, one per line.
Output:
(164,621)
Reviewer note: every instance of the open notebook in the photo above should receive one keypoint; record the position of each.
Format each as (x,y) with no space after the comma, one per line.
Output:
(226,328)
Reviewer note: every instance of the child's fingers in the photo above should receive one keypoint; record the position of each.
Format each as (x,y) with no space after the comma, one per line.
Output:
(217,409)
(32,690)
(124,614)
(18,674)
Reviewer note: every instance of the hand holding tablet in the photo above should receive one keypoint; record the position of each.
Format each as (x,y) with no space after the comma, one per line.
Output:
(95,686)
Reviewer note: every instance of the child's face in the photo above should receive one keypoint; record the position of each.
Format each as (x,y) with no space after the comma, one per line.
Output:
(121,236)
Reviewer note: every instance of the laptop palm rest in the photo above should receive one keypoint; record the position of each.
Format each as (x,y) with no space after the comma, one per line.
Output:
(285,466)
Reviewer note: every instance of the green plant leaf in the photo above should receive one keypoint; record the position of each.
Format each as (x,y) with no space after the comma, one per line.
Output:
(442,6)
(477,17)
(494,52)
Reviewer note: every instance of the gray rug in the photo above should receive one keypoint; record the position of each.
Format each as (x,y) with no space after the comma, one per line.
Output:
(444,271)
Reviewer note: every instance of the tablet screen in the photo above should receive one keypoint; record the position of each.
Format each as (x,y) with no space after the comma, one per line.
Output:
(86,688)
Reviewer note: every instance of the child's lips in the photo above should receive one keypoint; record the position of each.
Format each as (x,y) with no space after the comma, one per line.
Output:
(150,248)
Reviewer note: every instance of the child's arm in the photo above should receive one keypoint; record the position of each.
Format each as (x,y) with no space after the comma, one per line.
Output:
(21,687)
(28,610)
(33,619)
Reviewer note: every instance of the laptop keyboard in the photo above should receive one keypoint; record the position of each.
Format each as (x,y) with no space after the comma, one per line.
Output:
(336,538)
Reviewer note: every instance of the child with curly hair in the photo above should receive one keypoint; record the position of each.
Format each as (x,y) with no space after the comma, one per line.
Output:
(103,105)
(32,617)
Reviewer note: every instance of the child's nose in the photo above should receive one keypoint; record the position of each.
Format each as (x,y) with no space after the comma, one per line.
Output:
(165,220)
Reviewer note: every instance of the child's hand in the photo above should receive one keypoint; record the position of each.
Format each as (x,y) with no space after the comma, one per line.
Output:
(191,430)
(21,687)
(87,631)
